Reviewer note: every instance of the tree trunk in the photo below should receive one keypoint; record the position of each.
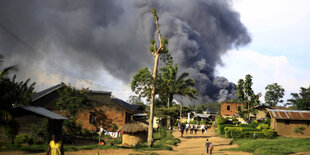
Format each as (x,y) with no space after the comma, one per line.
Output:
(168,117)
(180,112)
(150,129)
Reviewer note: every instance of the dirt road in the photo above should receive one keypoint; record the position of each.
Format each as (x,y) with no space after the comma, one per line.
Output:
(190,144)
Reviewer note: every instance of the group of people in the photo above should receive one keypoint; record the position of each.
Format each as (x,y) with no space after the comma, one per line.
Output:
(193,128)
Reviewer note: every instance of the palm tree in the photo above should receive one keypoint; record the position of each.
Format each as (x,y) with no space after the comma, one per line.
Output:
(5,116)
(174,85)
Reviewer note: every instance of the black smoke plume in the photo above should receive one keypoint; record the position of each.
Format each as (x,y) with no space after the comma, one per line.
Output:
(86,36)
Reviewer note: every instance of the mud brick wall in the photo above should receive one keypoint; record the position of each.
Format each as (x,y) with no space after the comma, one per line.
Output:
(232,110)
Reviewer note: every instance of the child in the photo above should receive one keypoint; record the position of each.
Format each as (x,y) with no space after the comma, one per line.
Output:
(207,146)
(211,148)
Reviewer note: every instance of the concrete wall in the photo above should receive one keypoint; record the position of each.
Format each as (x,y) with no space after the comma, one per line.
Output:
(284,129)
(232,110)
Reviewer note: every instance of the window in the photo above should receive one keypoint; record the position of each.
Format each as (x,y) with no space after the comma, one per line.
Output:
(92,118)
(308,123)
(287,122)
(228,107)
(239,108)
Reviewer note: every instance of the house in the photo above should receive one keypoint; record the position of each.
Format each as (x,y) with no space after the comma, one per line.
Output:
(104,110)
(286,121)
(230,109)
(31,118)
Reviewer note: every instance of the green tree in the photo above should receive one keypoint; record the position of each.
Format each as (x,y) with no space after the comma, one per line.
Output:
(171,84)
(301,100)
(156,51)
(274,94)
(141,83)
(13,94)
(71,100)
(247,96)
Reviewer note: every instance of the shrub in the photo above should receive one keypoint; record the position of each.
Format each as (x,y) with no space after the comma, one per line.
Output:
(192,122)
(254,124)
(232,132)
(299,130)
(114,127)
(236,122)
(20,139)
(71,128)
(262,126)
(89,134)
(252,134)
(220,128)
(220,120)
(11,130)
(267,121)
(270,133)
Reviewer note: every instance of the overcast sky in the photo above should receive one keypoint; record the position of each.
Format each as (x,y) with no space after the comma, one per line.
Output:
(280,49)
(106,43)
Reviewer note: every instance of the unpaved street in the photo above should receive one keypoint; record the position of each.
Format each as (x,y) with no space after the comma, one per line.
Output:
(190,144)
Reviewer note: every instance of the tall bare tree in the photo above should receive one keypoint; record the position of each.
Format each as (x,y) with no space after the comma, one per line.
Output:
(156,51)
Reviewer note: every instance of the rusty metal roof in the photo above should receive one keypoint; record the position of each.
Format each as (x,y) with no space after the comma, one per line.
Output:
(289,114)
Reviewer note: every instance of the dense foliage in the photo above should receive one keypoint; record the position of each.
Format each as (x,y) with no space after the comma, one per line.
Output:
(71,100)
(274,94)
(301,100)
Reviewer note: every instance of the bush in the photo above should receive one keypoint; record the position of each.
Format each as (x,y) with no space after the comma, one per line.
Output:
(114,127)
(20,139)
(236,122)
(262,127)
(71,128)
(89,134)
(270,133)
(252,134)
(11,130)
(220,128)
(254,124)
(232,132)
(220,120)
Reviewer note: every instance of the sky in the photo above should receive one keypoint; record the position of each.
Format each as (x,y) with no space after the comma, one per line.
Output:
(280,49)
(101,44)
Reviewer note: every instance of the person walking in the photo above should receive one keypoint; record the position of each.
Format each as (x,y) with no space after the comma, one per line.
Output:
(207,146)
(182,129)
(211,148)
(202,127)
(195,128)
(191,128)
(187,126)
(55,147)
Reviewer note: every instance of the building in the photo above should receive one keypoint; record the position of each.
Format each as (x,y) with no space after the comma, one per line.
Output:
(230,109)
(104,111)
(286,121)
(31,118)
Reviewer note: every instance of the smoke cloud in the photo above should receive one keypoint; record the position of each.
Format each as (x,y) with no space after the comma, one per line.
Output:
(86,37)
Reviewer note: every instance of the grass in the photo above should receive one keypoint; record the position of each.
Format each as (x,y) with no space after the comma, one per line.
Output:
(163,141)
(277,146)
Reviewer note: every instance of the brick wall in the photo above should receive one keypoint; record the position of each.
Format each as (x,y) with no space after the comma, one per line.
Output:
(230,108)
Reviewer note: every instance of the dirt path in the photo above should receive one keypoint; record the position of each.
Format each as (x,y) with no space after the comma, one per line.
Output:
(190,144)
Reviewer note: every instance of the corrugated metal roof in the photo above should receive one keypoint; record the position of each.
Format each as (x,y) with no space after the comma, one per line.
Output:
(46,91)
(289,114)
(43,112)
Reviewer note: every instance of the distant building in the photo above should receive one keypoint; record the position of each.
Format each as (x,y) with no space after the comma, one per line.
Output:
(286,121)
(230,109)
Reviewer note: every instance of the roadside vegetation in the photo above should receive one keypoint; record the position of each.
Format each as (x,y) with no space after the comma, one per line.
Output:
(277,146)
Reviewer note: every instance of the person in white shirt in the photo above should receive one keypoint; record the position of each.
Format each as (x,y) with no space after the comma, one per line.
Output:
(202,128)
(187,127)
(195,128)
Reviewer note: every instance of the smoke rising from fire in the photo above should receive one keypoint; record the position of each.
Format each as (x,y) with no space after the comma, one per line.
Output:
(87,36)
